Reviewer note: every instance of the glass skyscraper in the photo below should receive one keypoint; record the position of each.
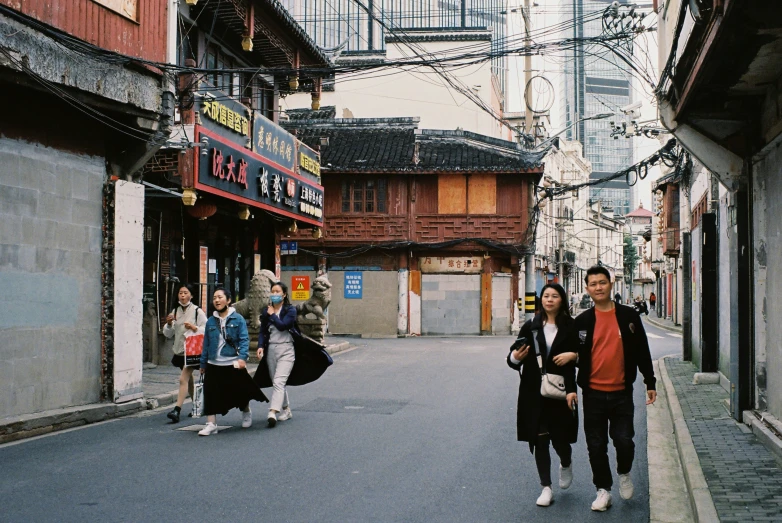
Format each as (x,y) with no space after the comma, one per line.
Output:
(595,82)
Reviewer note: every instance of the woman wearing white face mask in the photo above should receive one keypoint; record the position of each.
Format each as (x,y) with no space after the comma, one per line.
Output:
(276,343)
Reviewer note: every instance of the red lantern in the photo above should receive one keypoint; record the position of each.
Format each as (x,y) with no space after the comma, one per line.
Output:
(202,210)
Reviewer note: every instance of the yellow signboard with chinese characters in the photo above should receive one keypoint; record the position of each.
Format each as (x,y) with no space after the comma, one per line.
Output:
(224,116)
(453,264)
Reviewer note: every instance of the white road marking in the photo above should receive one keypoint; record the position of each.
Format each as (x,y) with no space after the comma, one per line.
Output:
(674,335)
(653,336)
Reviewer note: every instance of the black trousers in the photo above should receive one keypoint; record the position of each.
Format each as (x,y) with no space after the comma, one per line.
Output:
(543,456)
(609,414)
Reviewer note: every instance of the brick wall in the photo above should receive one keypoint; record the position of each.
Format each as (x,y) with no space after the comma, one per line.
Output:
(50,269)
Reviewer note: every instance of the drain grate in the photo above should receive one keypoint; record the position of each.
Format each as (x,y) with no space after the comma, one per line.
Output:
(354,406)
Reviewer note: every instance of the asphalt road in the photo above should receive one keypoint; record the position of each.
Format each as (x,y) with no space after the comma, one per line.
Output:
(418,429)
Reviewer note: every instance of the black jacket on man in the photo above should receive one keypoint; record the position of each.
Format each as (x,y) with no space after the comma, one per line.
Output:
(530,401)
(634,342)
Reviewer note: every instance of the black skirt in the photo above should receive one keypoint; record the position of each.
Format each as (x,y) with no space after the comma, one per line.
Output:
(226,387)
(178,361)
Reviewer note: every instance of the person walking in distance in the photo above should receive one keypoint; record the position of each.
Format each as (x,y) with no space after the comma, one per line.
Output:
(187,316)
(275,342)
(612,346)
(652,301)
(543,343)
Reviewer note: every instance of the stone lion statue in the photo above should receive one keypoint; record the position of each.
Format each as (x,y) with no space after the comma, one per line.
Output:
(257,299)
(310,314)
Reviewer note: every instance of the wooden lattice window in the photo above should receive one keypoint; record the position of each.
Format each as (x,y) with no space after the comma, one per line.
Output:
(364,195)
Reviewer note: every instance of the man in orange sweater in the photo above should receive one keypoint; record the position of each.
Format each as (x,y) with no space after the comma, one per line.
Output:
(611,345)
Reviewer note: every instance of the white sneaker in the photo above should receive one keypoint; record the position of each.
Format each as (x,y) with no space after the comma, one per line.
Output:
(625,486)
(247,419)
(602,501)
(565,476)
(271,419)
(285,414)
(211,428)
(545,498)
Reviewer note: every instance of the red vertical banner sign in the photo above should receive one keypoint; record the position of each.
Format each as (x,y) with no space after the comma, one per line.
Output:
(203,274)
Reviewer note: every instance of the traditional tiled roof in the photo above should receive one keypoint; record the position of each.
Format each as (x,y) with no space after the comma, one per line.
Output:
(640,213)
(397,145)
(324,113)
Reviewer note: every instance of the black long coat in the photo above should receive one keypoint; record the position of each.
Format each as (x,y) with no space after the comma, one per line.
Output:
(531,405)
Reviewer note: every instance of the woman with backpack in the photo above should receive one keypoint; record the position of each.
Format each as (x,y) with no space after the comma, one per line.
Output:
(186,318)
(543,344)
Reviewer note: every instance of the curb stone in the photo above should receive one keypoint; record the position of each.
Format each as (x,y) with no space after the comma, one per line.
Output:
(700,497)
(677,330)
(29,425)
(36,424)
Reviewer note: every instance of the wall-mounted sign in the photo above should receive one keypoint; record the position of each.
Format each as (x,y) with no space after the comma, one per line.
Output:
(224,116)
(308,160)
(289,247)
(127,8)
(273,142)
(241,175)
(354,285)
(300,288)
(459,264)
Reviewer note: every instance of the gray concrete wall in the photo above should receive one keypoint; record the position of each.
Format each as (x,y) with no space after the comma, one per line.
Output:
(727,274)
(501,304)
(50,267)
(451,304)
(375,314)
(767,231)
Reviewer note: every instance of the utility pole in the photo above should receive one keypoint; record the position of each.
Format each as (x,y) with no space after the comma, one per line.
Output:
(529,262)
(561,244)
(527,68)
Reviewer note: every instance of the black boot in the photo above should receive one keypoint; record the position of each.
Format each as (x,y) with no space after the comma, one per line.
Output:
(174,415)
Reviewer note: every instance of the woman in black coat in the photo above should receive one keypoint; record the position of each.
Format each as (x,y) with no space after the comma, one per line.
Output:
(540,420)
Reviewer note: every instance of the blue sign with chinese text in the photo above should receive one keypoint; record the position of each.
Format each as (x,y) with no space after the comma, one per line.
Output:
(293,247)
(284,248)
(354,285)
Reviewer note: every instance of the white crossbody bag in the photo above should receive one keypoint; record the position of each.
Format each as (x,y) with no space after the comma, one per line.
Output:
(552,386)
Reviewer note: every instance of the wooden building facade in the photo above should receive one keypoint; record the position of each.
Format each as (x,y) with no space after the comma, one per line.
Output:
(431,224)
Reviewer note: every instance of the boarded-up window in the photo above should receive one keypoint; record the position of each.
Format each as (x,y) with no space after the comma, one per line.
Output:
(510,198)
(425,194)
(452,194)
(482,193)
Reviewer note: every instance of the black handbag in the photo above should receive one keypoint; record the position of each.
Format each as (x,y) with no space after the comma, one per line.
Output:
(311,362)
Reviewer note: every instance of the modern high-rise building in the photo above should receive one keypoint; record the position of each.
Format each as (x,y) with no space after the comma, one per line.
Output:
(595,81)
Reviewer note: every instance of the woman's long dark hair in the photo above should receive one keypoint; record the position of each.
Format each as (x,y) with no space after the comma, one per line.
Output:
(564,307)
(286,302)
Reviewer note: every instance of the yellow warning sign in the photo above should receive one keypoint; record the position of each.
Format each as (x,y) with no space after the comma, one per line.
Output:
(301,288)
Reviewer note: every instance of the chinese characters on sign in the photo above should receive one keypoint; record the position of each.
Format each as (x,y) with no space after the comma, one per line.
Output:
(273,142)
(231,170)
(459,264)
(300,288)
(354,285)
(308,164)
(225,170)
(226,117)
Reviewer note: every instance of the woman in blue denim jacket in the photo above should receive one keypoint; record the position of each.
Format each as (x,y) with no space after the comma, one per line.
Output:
(224,365)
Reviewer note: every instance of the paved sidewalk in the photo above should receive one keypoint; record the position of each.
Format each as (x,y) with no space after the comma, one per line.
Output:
(743,481)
